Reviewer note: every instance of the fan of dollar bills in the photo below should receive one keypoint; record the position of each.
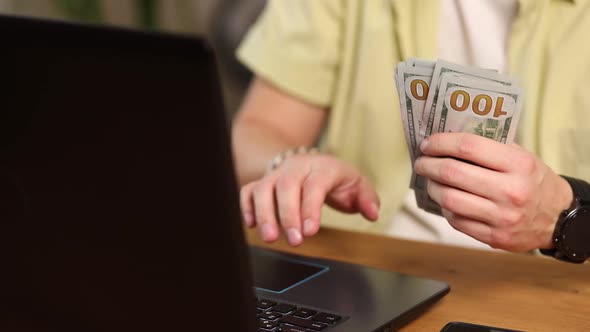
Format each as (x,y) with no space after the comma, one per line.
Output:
(441,96)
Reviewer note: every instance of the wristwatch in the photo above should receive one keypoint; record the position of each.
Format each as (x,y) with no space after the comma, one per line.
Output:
(571,238)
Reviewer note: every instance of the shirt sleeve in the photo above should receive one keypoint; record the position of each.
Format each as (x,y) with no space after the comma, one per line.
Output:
(295,44)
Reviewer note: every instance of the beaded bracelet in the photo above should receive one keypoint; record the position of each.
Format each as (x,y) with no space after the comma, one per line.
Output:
(281,157)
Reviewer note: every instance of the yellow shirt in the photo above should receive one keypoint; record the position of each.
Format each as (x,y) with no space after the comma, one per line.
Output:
(341,54)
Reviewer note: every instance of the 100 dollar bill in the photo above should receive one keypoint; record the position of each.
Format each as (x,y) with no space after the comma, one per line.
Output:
(478,107)
(413,87)
(444,68)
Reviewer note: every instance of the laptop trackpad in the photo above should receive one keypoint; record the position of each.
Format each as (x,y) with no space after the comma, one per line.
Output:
(277,274)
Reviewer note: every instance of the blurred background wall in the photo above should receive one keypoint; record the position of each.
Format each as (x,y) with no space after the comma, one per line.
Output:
(222,22)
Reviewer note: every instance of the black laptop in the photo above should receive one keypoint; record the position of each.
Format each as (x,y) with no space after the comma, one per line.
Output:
(119,207)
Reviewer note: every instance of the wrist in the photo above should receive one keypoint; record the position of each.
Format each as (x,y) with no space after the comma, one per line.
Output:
(564,201)
(280,158)
(570,239)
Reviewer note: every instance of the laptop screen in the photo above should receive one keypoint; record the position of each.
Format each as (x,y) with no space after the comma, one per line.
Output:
(117,190)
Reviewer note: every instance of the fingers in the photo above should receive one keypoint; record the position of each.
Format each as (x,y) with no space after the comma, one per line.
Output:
(314,191)
(368,201)
(476,149)
(264,210)
(288,203)
(347,192)
(261,200)
(463,203)
(471,178)
(495,237)
(293,196)
(284,195)
(499,194)
(247,205)
(477,230)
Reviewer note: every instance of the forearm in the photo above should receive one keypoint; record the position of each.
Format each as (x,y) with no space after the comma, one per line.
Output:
(254,145)
(271,121)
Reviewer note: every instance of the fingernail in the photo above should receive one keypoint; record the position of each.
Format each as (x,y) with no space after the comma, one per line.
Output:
(294,236)
(308,227)
(424,144)
(248,219)
(267,232)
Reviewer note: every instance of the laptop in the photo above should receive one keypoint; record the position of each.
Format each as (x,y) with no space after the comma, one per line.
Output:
(119,207)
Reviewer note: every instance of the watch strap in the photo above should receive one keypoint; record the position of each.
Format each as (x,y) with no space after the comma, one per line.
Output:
(580,188)
(581,191)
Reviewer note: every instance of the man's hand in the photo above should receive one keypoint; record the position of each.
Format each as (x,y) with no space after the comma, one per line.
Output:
(293,194)
(499,194)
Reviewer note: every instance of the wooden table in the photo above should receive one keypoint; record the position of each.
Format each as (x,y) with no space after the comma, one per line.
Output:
(487,287)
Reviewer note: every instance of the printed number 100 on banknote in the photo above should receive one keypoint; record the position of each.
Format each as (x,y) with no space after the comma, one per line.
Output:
(481,108)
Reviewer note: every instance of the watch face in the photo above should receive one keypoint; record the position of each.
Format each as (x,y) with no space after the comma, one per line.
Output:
(576,234)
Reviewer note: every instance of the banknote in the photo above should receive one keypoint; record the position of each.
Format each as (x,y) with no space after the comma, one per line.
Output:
(413,85)
(441,69)
(418,62)
(444,67)
(446,97)
(483,108)
(477,107)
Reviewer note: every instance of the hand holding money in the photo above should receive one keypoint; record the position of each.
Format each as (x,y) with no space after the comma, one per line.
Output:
(460,123)
(440,96)
(499,194)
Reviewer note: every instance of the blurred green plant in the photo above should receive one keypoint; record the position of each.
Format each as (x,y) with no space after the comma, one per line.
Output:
(83,10)
(147,13)
(90,11)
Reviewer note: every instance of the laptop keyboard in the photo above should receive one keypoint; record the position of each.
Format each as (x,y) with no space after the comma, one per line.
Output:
(282,317)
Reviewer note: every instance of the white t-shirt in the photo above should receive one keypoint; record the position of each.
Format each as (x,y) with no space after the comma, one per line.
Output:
(471,32)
